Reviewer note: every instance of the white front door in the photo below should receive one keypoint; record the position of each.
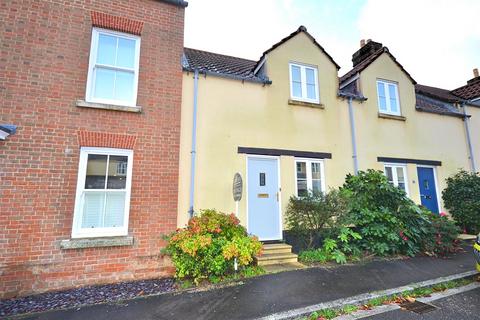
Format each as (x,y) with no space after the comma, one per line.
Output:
(264,219)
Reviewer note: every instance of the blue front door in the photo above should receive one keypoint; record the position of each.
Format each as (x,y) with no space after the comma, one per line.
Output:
(263,198)
(428,191)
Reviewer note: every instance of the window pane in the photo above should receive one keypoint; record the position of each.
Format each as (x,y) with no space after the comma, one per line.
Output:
(302,190)
(301,170)
(389,174)
(297,89)
(382,101)
(106,49)
(401,185)
(116,180)
(310,76)
(114,209)
(296,74)
(126,53)
(316,185)
(93,209)
(104,83)
(392,91)
(311,94)
(96,170)
(124,86)
(316,170)
(400,174)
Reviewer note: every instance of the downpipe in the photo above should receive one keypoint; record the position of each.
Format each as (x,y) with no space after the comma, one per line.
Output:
(193,151)
(353,136)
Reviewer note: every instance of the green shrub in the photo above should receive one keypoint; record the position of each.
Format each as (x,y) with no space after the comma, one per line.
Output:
(443,235)
(337,250)
(307,216)
(207,247)
(388,222)
(462,198)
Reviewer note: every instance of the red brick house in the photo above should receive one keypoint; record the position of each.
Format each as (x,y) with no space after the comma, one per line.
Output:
(88,182)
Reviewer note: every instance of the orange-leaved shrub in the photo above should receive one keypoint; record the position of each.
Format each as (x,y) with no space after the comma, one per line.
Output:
(208,246)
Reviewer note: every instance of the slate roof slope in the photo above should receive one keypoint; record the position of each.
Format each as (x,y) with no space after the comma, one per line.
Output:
(469,91)
(367,61)
(220,64)
(436,100)
(438,93)
(293,34)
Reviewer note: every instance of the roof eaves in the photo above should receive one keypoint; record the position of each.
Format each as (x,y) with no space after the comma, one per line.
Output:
(229,76)
(178,3)
(444,113)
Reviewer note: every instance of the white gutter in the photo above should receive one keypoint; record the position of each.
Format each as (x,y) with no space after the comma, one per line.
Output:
(466,120)
(353,134)
(194,143)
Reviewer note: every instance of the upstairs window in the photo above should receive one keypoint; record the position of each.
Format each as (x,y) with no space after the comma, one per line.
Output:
(388,101)
(113,69)
(103,193)
(309,176)
(304,83)
(397,175)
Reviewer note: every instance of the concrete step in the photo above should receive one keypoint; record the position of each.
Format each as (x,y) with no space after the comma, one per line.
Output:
(277,248)
(276,258)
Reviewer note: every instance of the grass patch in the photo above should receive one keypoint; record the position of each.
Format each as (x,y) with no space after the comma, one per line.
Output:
(410,295)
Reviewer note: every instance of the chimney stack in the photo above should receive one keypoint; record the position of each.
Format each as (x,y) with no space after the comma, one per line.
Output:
(475,73)
(362,43)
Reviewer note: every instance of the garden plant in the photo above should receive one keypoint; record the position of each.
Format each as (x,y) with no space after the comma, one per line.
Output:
(210,246)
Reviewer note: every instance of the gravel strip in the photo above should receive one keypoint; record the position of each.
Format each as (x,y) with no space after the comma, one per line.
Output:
(83,296)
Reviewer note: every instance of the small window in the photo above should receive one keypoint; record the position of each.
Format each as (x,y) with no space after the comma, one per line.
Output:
(304,83)
(388,101)
(113,70)
(309,176)
(397,175)
(103,193)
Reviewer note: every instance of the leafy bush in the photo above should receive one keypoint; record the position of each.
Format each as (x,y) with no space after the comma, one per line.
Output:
(462,198)
(443,235)
(208,246)
(334,250)
(309,215)
(388,222)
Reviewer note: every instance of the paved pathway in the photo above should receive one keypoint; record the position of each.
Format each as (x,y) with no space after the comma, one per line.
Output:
(274,293)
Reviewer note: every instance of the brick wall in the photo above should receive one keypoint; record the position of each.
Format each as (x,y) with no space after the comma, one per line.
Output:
(44,54)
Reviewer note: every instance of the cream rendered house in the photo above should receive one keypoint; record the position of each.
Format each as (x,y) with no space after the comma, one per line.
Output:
(287,124)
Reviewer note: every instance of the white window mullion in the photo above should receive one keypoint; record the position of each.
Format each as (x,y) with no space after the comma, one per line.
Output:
(309,176)
(303,75)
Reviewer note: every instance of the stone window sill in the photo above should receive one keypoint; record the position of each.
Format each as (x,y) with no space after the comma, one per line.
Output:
(305,104)
(391,116)
(96,242)
(94,105)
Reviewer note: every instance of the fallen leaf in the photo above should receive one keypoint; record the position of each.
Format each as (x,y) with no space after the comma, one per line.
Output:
(410,299)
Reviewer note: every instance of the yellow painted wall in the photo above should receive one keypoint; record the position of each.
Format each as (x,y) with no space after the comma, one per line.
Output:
(423,136)
(233,114)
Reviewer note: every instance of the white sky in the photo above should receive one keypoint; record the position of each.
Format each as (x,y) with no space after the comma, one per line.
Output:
(437,41)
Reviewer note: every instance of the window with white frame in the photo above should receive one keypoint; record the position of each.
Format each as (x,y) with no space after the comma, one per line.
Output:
(309,176)
(397,175)
(103,193)
(388,101)
(113,69)
(304,83)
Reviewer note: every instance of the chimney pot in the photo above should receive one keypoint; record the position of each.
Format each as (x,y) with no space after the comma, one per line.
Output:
(362,43)
(475,73)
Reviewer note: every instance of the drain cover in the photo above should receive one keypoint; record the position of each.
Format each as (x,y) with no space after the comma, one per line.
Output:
(418,307)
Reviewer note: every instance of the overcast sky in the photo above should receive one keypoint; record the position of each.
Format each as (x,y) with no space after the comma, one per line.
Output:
(438,42)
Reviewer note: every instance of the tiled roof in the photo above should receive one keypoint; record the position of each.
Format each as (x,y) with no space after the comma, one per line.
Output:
(437,93)
(469,91)
(367,61)
(220,64)
(436,100)
(293,34)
